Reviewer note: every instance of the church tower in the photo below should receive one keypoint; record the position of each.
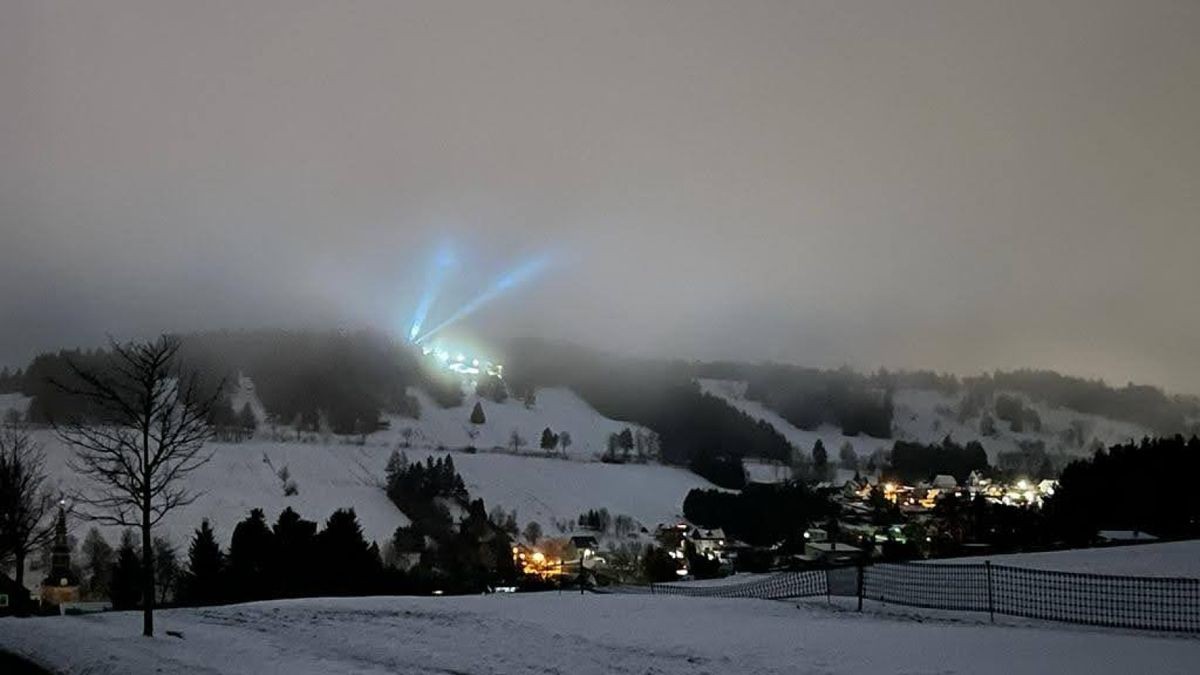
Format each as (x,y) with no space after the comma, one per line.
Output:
(61,585)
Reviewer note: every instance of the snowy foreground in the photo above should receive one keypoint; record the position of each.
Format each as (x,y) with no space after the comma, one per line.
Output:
(570,633)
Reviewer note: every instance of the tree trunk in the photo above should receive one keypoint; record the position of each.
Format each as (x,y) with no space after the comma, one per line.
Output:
(147,574)
(20,578)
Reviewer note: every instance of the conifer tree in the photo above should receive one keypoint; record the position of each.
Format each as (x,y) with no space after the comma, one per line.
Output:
(205,566)
(127,574)
(477,416)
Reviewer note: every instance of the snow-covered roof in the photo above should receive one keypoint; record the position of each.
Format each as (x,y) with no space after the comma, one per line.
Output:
(1125,535)
(944,481)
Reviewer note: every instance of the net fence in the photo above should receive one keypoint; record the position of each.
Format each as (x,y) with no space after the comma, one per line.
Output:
(1146,603)
(775,587)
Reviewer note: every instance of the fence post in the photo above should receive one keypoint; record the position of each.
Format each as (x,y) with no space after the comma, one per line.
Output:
(860,585)
(991,601)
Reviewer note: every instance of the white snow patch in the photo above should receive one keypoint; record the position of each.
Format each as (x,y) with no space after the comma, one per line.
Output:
(570,633)
(242,476)
(17,402)
(557,408)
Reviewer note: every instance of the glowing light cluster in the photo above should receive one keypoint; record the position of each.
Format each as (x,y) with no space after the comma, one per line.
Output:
(459,362)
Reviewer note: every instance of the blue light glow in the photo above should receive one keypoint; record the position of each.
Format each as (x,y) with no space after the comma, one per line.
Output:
(513,278)
(443,260)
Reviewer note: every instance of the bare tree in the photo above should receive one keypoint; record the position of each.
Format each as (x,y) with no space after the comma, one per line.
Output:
(147,426)
(25,501)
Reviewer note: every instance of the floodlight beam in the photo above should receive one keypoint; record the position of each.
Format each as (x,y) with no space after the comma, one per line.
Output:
(507,281)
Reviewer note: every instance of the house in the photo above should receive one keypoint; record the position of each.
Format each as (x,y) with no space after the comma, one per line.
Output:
(707,541)
(831,552)
(14,598)
(944,482)
(585,543)
(1125,537)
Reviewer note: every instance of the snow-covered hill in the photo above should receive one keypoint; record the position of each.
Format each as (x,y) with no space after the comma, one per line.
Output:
(242,476)
(929,416)
(557,408)
(734,393)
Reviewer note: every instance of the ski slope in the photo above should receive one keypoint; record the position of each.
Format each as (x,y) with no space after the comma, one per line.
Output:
(571,633)
(556,408)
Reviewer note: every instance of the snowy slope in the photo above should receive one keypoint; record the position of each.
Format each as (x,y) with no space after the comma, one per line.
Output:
(15,402)
(928,417)
(734,393)
(571,633)
(242,476)
(1171,559)
(546,489)
(558,408)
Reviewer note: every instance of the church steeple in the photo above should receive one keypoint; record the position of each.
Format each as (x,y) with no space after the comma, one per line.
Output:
(60,554)
(60,577)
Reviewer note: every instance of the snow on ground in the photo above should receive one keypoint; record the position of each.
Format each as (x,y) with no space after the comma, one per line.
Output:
(558,408)
(14,402)
(1171,559)
(242,476)
(929,416)
(571,633)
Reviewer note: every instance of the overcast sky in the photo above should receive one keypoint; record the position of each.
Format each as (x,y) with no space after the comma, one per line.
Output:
(951,185)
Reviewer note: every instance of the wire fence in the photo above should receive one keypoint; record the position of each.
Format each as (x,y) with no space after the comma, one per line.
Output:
(775,587)
(1146,603)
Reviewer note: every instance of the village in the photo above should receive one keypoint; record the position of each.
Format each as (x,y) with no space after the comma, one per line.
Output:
(876,520)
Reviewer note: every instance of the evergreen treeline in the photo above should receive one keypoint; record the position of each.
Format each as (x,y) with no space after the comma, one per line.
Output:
(464,557)
(761,514)
(1137,486)
(292,558)
(914,462)
(11,381)
(344,380)
(1147,406)
(808,398)
(313,380)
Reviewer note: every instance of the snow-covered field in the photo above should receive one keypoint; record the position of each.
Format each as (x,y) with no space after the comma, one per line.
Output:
(1171,559)
(570,633)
